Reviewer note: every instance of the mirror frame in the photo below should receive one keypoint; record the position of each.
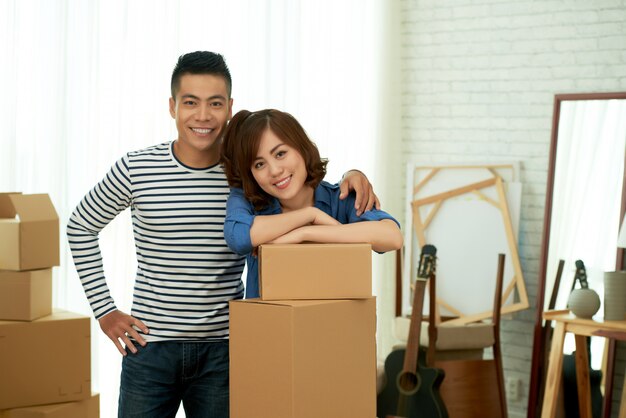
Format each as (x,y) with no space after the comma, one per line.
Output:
(538,360)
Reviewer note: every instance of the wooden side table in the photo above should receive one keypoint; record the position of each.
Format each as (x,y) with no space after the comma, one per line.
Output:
(564,321)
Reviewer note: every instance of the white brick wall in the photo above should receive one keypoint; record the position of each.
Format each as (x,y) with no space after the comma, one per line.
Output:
(478,79)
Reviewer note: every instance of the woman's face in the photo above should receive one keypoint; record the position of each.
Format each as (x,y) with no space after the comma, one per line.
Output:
(279,169)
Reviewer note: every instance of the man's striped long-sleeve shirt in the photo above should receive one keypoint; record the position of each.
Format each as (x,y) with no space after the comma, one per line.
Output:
(186,274)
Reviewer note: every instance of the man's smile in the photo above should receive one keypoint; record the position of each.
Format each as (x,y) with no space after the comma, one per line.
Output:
(202,131)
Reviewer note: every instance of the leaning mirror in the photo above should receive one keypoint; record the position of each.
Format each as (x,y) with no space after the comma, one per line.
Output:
(584,205)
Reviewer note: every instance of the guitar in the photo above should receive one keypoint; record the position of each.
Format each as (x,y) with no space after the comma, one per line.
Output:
(412,390)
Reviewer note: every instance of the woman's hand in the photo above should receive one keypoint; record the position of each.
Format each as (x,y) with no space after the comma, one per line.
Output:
(293,237)
(267,228)
(322,218)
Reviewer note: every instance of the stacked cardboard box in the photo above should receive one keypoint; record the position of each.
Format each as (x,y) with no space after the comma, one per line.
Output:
(307,347)
(44,353)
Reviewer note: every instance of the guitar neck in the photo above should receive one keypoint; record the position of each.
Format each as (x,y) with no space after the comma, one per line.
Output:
(413,342)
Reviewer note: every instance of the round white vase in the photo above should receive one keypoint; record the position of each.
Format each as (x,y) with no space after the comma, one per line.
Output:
(584,303)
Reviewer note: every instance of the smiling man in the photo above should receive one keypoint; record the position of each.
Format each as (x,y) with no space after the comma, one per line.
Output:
(175,342)
(201,106)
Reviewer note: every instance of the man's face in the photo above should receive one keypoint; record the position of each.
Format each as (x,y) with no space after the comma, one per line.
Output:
(201,109)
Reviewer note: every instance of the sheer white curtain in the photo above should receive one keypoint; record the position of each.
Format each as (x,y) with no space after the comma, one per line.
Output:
(587,195)
(86,81)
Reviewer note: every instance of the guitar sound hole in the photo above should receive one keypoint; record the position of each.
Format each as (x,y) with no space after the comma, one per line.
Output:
(408,383)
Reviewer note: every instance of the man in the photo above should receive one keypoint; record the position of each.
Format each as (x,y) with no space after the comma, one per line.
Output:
(177,332)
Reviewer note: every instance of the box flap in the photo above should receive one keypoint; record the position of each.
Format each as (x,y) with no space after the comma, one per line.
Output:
(7,210)
(290,302)
(56,315)
(34,207)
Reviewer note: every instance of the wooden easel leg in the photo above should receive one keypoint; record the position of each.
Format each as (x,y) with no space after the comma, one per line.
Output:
(582,377)
(555,371)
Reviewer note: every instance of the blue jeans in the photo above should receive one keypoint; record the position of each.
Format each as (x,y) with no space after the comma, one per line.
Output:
(163,374)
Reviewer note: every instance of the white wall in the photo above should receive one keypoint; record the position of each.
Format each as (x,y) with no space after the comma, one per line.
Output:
(478,82)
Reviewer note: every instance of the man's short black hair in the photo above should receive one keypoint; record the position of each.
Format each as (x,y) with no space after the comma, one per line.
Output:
(200,62)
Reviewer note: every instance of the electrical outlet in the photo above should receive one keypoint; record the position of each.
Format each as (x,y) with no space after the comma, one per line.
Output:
(513,385)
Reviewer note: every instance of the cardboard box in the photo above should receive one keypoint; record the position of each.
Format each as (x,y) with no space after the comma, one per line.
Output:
(45,361)
(29,232)
(315,271)
(88,408)
(25,295)
(303,359)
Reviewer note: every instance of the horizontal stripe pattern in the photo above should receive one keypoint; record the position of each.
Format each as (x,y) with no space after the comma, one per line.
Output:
(186,274)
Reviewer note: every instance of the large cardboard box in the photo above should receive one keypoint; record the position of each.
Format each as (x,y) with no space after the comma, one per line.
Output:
(29,232)
(303,359)
(315,271)
(25,295)
(88,408)
(45,361)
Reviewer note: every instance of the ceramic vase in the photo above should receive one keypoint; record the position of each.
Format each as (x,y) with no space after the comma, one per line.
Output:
(583,303)
(615,295)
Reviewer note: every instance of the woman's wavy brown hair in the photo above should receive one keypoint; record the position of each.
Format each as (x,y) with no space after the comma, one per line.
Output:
(241,144)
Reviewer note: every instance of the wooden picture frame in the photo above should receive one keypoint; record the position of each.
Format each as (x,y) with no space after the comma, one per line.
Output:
(446,203)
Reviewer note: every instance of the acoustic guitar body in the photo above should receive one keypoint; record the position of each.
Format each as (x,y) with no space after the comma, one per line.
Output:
(419,400)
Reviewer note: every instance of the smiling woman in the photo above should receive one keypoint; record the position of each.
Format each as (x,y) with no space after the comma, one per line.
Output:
(278,195)
(87,81)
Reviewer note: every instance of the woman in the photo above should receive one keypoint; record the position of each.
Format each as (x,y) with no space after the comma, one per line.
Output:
(278,196)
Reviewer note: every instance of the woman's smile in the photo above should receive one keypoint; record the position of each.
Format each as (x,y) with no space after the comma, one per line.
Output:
(284,183)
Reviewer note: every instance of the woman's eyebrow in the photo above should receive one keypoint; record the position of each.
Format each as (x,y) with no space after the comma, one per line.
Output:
(274,149)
